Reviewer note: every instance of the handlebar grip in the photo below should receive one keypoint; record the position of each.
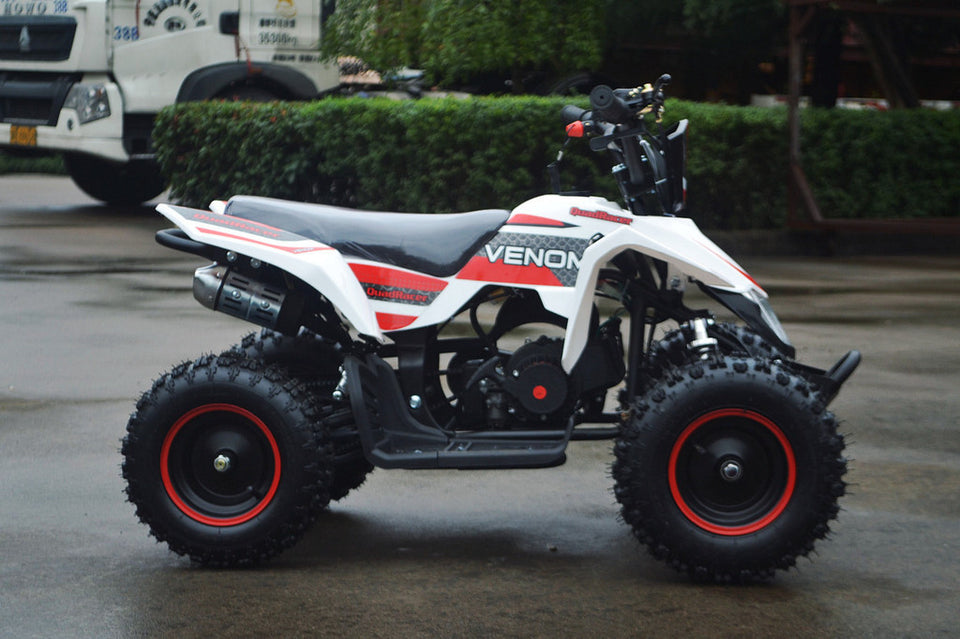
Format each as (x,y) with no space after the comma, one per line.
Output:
(571,113)
(609,106)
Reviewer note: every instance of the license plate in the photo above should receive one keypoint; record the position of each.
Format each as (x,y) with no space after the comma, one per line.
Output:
(23,135)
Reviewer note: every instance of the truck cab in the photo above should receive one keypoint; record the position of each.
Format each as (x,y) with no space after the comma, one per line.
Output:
(87,77)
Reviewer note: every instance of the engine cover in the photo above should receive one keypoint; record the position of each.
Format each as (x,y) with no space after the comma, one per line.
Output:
(536,381)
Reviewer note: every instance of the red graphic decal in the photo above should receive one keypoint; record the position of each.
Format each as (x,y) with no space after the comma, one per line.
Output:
(395,295)
(481,269)
(392,322)
(240,224)
(600,215)
(383,276)
(288,249)
(731,264)
(539,392)
(534,220)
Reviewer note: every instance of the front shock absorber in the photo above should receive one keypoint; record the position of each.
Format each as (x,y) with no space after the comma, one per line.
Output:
(702,345)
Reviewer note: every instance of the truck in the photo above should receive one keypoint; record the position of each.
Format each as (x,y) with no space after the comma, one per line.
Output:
(86,78)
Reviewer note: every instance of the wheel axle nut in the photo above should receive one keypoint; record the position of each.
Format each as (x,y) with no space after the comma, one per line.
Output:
(221,464)
(731,470)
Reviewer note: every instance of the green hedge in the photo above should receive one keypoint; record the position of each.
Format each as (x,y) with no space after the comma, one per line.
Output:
(452,155)
(12,163)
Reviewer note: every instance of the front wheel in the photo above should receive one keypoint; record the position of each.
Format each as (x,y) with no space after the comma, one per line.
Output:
(729,470)
(224,461)
(732,339)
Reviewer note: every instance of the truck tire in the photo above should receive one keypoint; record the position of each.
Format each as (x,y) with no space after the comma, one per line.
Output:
(115,183)
(729,470)
(246,93)
(224,461)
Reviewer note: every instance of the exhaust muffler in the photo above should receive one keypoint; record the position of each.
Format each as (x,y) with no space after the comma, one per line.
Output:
(220,288)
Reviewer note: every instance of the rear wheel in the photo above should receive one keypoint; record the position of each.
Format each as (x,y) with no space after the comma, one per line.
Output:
(224,463)
(306,356)
(316,362)
(729,470)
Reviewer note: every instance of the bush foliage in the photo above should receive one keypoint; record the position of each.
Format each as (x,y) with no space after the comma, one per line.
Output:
(455,155)
(12,163)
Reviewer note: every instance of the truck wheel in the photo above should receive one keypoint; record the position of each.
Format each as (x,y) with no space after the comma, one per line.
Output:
(121,184)
(246,93)
(224,462)
(315,362)
(729,470)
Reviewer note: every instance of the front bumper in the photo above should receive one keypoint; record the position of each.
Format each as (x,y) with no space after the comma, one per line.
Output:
(103,137)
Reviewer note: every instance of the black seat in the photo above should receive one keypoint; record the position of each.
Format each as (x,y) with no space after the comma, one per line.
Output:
(436,244)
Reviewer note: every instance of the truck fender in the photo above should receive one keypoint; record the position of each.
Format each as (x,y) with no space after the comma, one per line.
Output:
(206,83)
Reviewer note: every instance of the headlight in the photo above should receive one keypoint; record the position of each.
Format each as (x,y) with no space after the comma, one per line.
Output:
(89,101)
(766,312)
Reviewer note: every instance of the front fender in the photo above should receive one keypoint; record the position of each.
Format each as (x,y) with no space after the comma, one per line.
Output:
(686,250)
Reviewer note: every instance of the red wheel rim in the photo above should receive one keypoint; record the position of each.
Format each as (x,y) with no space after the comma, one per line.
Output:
(732,472)
(226,497)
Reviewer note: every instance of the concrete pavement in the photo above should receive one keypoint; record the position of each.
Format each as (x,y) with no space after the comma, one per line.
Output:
(93,310)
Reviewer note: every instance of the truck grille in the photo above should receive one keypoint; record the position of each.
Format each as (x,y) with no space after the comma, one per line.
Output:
(45,38)
(33,98)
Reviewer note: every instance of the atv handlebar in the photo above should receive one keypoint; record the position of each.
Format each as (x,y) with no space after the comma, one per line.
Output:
(615,123)
(571,114)
(609,106)
(620,106)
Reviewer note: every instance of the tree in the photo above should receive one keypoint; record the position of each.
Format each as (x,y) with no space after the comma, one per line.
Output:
(386,34)
(458,40)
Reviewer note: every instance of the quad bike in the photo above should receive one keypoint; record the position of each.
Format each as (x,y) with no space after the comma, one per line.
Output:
(485,340)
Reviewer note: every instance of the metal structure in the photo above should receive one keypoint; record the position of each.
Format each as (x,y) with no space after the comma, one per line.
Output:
(803,211)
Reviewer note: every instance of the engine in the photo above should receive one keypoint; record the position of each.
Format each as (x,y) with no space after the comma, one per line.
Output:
(537,383)
(529,388)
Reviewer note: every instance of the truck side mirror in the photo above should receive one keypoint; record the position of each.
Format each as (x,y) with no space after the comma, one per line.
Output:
(230,23)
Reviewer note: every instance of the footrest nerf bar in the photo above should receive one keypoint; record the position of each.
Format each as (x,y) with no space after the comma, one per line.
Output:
(393,438)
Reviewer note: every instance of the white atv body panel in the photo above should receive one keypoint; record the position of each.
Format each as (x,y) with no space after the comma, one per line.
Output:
(554,245)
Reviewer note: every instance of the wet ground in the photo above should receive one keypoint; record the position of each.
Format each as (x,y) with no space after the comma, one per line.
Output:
(93,310)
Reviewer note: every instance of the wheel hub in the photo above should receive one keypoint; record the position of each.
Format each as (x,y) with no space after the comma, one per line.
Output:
(222,463)
(731,470)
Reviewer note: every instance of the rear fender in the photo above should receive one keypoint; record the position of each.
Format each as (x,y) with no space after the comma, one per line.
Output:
(321,266)
(688,253)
